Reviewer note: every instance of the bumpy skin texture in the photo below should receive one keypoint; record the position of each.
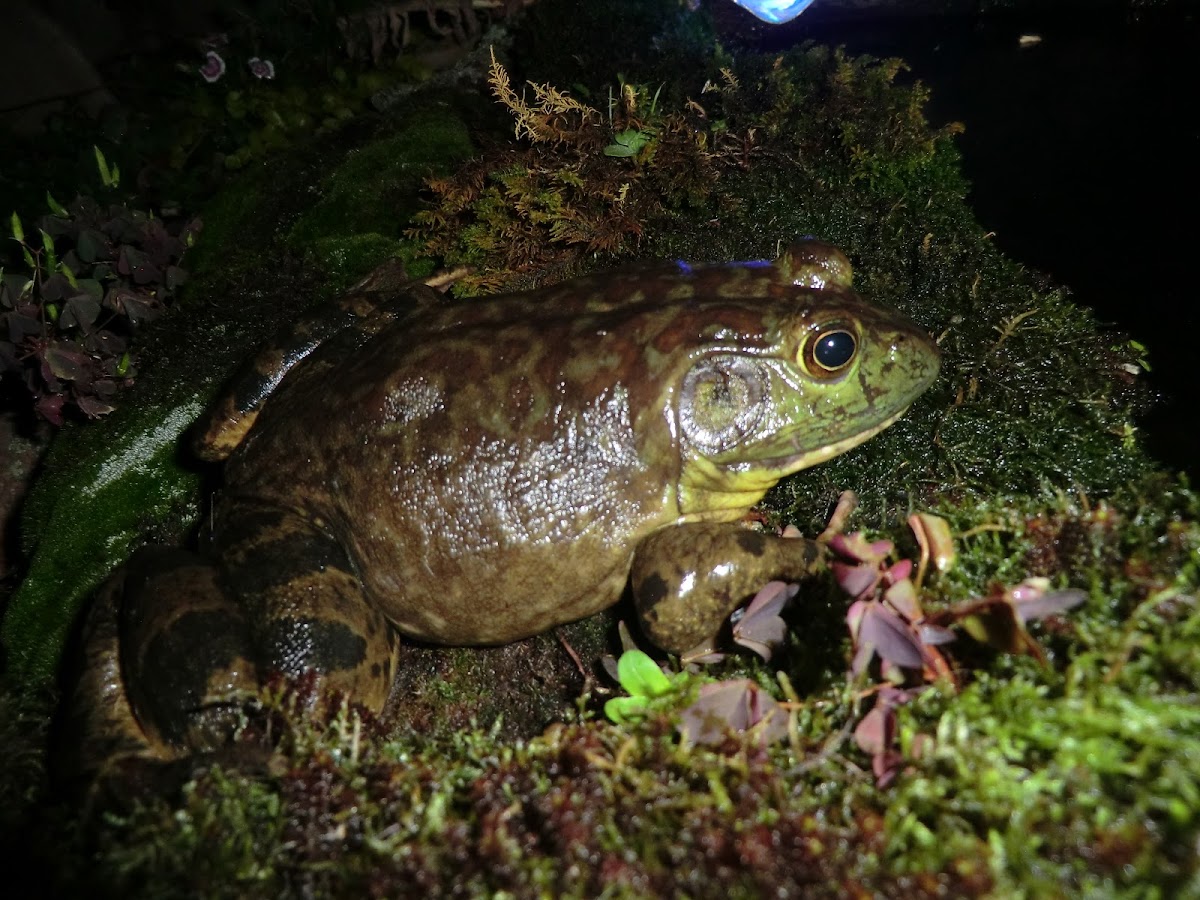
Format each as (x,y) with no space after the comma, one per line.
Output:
(477,472)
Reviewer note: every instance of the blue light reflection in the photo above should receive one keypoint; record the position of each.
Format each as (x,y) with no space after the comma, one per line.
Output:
(775,11)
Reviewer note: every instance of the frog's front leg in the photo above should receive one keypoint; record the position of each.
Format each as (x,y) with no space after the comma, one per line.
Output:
(687,579)
(305,605)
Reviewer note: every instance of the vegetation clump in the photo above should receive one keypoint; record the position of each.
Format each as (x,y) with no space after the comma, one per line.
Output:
(95,273)
(591,184)
(586,185)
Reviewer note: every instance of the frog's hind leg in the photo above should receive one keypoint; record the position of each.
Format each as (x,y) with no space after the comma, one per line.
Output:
(306,605)
(166,666)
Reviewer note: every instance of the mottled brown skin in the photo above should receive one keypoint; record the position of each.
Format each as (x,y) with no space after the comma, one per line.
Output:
(477,472)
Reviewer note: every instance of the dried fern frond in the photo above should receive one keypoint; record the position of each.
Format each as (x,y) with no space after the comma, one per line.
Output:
(554,117)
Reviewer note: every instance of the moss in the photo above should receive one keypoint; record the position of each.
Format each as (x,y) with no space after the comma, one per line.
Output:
(97,513)
(516,690)
(344,259)
(374,190)
(1080,778)
(579,811)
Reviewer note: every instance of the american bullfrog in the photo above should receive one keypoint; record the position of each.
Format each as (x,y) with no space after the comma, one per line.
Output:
(475,472)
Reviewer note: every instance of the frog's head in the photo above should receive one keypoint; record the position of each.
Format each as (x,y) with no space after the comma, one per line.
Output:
(826,372)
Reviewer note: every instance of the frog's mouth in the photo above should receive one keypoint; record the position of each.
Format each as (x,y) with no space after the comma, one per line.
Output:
(787,465)
(710,491)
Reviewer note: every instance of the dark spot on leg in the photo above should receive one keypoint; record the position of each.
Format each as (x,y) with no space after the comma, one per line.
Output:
(288,558)
(752,542)
(376,670)
(651,591)
(294,644)
(149,563)
(247,525)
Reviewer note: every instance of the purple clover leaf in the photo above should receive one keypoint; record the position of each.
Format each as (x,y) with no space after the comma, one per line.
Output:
(877,630)
(999,620)
(876,734)
(856,548)
(861,564)
(739,706)
(761,627)
(857,580)
(261,68)
(1032,599)
(901,594)
(884,620)
(213,68)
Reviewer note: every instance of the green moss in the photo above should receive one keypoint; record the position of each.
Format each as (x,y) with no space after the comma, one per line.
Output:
(374,190)
(1042,774)
(227,838)
(1078,779)
(345,259)
(103,500)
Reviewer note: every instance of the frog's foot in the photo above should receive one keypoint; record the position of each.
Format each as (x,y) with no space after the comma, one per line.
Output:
(166,667)
(687,579)
(306,606)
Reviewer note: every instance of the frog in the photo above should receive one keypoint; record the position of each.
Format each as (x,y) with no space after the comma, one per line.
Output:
(407,465)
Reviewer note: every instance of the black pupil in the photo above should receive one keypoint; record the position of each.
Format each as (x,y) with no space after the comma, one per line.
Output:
(834,350)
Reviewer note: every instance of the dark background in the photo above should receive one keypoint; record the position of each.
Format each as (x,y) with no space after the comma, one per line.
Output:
(1084,156)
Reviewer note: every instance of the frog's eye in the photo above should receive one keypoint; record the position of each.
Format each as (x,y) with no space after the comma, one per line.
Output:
(828,352)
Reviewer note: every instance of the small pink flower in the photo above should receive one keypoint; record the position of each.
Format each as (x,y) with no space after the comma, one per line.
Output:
(214,66)
(262,68)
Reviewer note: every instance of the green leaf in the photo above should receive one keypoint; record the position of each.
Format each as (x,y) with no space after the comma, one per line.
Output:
(625,709)
(110,177)
(55,207)
(641,676)
(629,142)
(619,150)
(48,246)
(68,274)
(17,231)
